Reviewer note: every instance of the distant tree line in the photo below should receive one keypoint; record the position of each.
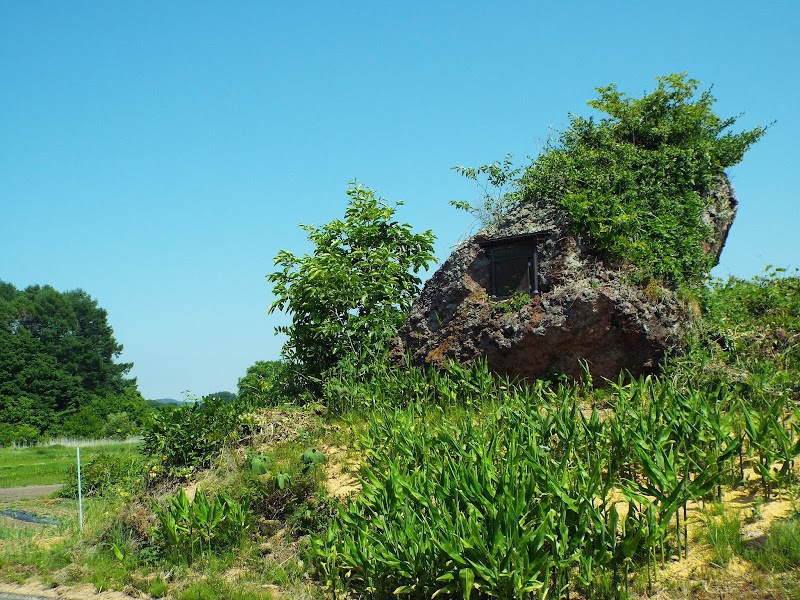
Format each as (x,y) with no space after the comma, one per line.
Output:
(59,373)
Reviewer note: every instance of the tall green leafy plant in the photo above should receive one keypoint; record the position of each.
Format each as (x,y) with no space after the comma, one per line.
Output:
(180,440)
(350,295)
(200,527)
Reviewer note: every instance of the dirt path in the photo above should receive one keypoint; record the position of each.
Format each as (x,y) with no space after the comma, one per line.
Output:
(36,591)
(25,493)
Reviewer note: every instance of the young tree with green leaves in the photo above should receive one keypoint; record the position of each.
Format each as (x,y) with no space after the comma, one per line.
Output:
(349,297)
(267,383)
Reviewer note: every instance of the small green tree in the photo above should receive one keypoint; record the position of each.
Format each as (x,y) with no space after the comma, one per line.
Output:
(266,383)
(349,297)
(500,190)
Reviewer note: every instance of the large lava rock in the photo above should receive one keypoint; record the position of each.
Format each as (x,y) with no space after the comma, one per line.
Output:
(586,311)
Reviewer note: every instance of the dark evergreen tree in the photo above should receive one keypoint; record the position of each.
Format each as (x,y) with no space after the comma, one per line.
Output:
(57,364)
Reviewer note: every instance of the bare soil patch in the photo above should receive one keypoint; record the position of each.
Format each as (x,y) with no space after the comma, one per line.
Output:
(36,591)
(25,493)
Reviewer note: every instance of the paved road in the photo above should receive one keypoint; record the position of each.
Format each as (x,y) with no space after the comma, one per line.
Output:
(25,493)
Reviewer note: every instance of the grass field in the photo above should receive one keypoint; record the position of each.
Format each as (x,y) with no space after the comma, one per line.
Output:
(46,465)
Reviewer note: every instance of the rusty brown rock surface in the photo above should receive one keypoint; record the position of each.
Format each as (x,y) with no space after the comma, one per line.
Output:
(587,311)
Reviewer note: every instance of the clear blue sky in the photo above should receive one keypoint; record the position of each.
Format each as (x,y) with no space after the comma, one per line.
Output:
(159,154)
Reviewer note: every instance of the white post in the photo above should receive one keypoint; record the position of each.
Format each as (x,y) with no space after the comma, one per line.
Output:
(80,493)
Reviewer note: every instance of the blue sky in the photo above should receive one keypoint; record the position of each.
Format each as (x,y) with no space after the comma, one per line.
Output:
(159,154)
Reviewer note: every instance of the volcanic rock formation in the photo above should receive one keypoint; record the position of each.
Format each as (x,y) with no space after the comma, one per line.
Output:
(586,310)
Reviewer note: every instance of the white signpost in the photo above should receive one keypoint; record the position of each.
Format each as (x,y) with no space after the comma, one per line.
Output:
(80,494)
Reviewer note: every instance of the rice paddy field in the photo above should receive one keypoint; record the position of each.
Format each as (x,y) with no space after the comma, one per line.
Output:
(49,464)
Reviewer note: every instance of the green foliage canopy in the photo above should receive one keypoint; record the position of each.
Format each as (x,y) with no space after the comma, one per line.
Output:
(634,181)
(267,383)
(58,364)
(349,297)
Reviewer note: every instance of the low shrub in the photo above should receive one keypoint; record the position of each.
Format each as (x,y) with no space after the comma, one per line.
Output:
(183,439)
(21,435)
(103,474)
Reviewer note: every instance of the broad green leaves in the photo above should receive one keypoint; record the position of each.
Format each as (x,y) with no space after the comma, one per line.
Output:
(348,298)
(482,488)
(191,529)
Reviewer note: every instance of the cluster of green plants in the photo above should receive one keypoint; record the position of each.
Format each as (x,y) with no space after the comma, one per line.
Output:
(633,182)
(105,473)
(351,389)
(182,439)
(288,485)
(748,335)
(508,490)
(200,527)
(269,383)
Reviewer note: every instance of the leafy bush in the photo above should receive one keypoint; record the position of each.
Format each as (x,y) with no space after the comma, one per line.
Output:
(633,182)
(117,416)
(269,383)
(286,489)
(104,474)
(349,297)
(21,434)
(748,338)
(499,184)
(182,439)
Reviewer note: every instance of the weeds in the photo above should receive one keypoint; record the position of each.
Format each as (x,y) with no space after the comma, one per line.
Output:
(781,549)
(724,535)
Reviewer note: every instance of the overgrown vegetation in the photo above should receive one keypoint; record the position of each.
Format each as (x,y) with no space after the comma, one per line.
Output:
(470,485)
(269,383)
(527,495)
(182,439)
(633,182)
(204,526)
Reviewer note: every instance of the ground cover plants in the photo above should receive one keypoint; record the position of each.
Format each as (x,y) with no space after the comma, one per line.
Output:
(471,486)
(531,494)
(228,532)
